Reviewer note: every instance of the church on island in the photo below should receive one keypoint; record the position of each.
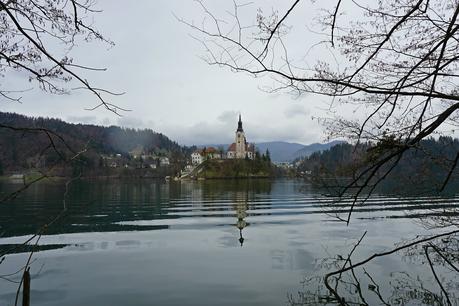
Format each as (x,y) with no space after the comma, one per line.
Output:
(239,149)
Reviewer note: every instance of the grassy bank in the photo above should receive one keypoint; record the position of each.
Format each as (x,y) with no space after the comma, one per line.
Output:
(236,168)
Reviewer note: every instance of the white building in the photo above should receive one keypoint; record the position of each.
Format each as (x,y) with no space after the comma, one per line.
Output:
(196,158)
(199,156)
(164,161)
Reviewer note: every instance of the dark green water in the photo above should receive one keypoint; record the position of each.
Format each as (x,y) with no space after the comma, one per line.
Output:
(204,243)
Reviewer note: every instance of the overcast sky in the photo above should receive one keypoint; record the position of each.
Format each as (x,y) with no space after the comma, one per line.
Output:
(169,88)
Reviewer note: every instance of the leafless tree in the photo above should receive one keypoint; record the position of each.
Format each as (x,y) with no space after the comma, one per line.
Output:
(36,40)
(396,60)
(350,282)
(30,31)
(394,63)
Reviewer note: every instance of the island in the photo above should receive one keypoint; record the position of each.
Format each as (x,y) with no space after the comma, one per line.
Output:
(241,160)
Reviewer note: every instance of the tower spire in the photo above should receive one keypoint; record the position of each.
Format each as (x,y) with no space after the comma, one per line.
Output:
(239,125)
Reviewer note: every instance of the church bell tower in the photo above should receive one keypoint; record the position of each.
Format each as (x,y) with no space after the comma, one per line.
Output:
(240,140)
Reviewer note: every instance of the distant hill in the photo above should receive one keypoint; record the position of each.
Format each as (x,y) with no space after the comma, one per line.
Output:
(285,151)
(307,150)
(423,169)
(282,151)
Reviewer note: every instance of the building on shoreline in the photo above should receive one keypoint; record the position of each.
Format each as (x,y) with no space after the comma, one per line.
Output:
(205,153)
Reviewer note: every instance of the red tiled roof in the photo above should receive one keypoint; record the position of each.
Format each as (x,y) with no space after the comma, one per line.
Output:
(207,150)
(232,147)
(211,150)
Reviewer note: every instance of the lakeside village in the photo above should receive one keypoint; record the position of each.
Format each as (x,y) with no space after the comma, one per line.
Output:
(128,153)
(241,159)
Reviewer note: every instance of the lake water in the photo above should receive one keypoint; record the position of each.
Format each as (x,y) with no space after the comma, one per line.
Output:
(246,242)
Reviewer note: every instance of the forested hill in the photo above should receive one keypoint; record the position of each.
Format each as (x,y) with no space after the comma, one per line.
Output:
(426,166)
(23,141)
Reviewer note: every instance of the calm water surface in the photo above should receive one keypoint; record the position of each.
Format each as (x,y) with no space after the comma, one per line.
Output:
(199,243)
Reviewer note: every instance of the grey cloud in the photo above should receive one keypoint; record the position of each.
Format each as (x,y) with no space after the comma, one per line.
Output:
(284,132)
(294,110)
(169,89)
(134,122)
(219,133)
(83,119)
(200,133)
(228,116)
(130,122)
(106,121)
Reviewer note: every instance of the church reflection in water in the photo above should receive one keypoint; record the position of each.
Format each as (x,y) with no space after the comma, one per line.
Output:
(232,199)
(241,206)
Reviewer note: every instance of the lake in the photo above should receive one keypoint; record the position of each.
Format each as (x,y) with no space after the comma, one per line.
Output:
(222,242)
